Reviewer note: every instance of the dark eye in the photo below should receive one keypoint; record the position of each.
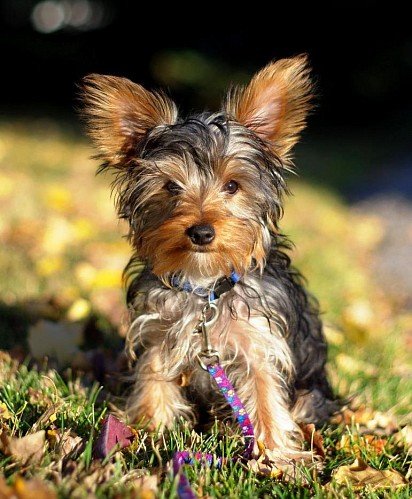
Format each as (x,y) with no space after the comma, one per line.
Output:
(231,187)
(173,188)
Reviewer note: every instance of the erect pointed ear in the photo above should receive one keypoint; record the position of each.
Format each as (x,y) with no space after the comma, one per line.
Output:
(275,103)
(119,113)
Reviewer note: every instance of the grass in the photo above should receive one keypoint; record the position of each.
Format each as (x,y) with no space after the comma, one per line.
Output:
(60,244)
(79,412)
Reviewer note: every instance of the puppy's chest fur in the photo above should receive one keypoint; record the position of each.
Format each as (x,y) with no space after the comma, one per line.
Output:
(251,326)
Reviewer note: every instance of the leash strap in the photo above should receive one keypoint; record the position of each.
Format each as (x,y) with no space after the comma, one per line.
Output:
(184,490)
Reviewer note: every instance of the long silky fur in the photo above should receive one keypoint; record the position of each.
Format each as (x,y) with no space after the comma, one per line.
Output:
(268,331)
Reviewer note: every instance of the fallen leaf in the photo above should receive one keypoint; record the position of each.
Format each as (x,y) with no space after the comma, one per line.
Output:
(6,492)
(39,398)
(55,339)
(145,486)
(58,234)
(108,278)
(4,411)
(49,265)
(333,335)
(385,421)
(368,231)
(314,438)
(267,469)
(375,443)
(354,444)
(359,474)
(32,489)
(98,474)
(358,320)
(58,198)
(275,464)
(113,434)
(351,365)
(367,418)
(28,449)
(65,442)
(404,437)
(48,416)
(79,310)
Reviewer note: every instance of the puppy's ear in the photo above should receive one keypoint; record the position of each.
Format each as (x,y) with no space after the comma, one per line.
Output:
(119,113)
(275,103)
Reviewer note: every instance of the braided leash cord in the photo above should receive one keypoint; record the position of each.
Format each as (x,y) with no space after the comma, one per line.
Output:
(184,490)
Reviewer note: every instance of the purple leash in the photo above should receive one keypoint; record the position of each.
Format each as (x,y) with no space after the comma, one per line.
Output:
(184,490)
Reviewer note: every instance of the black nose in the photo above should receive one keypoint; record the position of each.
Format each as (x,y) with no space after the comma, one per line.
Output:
(201,234)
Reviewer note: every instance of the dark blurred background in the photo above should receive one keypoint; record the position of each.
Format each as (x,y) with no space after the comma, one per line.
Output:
(352,215)
(361,55)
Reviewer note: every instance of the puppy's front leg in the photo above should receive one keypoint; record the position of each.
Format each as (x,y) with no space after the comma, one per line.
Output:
(155,400)
(264,395)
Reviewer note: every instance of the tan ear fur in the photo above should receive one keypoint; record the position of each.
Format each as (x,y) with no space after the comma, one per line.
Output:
(119,113)
(276,102)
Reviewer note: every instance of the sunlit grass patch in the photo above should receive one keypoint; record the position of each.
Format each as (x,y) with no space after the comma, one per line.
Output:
(61,244)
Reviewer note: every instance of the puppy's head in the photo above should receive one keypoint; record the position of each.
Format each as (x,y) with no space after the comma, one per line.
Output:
(202,194)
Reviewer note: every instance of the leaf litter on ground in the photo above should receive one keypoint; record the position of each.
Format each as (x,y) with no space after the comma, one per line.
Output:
(61,261)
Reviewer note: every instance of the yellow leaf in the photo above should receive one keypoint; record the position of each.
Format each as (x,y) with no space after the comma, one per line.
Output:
(83,229)
(108,278)
(333,335)
(57,236)
(79,310)
(354,444)
(4,412)
(49,265)
(146,486)
(351,365)
(359,474)
(58,198)
(360,313)
(6,186)
(85,274)
(32,489)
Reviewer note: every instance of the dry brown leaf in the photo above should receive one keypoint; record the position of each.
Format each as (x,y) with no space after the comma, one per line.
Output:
(275,464)
(313,437)
(6,492)
(32,489)
(359,474)
(368,419)
(375,443)
(351,365)
(98,474)
(60,340)
(28,449)
(384,421)
(267,469)
(404,437)
(354,444)
(65,442)
(39,398)
(145,487)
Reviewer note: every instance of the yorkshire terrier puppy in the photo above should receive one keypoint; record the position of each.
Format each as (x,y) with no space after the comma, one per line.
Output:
(203,198)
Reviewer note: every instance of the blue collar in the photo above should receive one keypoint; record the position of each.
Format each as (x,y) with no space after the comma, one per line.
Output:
(221,286)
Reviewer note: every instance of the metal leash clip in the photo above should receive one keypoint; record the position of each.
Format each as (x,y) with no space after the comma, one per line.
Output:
(207,355)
